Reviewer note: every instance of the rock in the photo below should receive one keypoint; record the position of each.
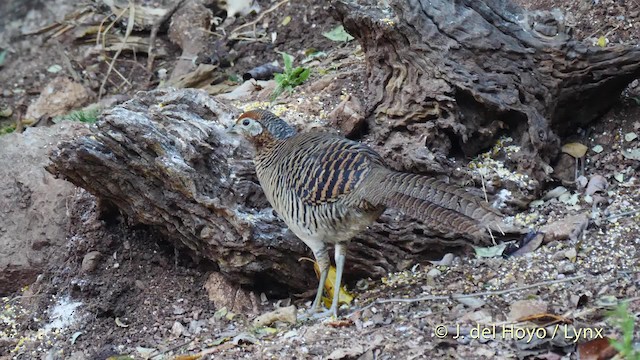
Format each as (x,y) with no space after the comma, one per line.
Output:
(177,329)
(33,212)
(225,294)
(472,302)
(571,227)
(285,314)
(567,269)
(251,90)
(596,183)
(59,97)
(90,261)
(348,116)
(196,326)
(434,273)
(571,254)
(524,308)
(565,169)
(480,317)
(446,260)
(178,310)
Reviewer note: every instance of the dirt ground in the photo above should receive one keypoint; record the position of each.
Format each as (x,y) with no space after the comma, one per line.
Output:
(146,300)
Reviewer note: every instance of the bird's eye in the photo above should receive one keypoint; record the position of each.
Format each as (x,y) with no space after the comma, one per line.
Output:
(246,122)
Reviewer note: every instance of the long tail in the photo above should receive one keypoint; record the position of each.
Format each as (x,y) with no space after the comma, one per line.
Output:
(446,207)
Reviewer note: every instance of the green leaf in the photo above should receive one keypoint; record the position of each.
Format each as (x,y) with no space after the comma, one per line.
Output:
(338,34)
(602,41)
(277,92)
(290,78)
(304,75)
(488,252)
(626,322)
(288,62)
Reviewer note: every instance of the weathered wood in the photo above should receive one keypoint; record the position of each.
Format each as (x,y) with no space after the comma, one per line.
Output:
(451,76)
(165,160)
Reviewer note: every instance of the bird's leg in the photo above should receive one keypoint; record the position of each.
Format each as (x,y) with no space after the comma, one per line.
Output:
(340,255)
(322,258)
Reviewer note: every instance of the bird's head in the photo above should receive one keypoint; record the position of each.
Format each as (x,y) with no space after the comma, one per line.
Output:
(261,126)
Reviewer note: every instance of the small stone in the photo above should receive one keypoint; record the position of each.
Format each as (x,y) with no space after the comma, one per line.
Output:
(195,326)
(178,310)
(434,273)
(581,181)
(348,116)
(472,302)
(558,256)
(571,254)
(177,329)
(90,261)
(59,97)
(223,293)
(524,308)
(285,314)
(568,269)
(630,136)
(596,183)
(571,227)
(446,260)
(556,192)
(6,111)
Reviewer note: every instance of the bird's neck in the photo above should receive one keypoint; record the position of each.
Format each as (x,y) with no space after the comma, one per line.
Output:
(264,142)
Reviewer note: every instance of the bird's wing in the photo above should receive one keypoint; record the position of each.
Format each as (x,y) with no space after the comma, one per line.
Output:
(332,170)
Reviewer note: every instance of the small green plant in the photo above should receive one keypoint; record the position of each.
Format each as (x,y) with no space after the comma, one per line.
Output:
(623,319)
(88,116)
(290,78)
(7,129)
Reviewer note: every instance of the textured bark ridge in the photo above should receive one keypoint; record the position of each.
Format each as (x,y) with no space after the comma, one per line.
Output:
(165,159)
(450,76)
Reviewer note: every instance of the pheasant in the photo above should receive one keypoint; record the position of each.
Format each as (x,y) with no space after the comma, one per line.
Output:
(327,189)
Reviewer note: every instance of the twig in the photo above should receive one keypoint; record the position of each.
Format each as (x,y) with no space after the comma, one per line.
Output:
(484,188)
(257,20)
(464,296)
(171,349)
(154,33)
(104,33)
(121,76)
(260,39)
(130,24)
(588,311)
(615,216)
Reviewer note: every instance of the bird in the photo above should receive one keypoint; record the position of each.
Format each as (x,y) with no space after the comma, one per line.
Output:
(328,189)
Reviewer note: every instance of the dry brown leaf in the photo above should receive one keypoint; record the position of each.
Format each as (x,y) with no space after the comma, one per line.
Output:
(596,349)
(576,150)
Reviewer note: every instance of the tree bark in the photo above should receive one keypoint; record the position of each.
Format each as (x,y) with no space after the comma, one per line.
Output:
(451,76)
(165,160)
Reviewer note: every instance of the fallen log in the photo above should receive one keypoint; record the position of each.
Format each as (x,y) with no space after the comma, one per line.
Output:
(452,76)
(165,160)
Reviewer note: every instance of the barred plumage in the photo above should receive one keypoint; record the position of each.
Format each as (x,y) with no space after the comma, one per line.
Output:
(327,189)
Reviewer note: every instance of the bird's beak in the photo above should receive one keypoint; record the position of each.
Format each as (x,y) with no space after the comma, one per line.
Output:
(233,129)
